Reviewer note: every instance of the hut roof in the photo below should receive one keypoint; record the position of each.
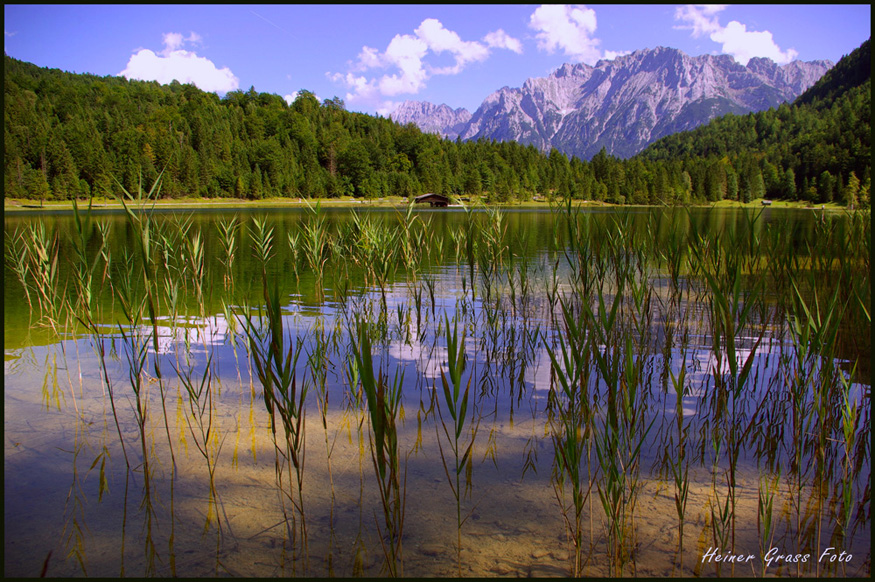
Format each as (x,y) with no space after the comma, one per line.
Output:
(433,199)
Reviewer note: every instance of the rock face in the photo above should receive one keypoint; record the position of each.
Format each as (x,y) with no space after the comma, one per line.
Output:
(622,105)
(432,118)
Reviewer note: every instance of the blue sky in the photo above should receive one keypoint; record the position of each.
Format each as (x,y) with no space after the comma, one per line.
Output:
(377,56)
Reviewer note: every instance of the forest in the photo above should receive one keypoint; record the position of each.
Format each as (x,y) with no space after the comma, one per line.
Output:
(79,136)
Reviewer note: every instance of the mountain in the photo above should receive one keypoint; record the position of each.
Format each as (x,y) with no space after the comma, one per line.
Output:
(851,71)
(824,136)
(624,104)
(432,118)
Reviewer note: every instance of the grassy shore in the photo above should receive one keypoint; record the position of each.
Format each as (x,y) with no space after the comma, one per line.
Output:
(13,205)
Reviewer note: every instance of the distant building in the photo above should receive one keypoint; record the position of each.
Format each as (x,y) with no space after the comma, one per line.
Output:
(436,200)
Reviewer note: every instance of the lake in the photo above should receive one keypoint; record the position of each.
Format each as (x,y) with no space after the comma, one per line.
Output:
(329,392)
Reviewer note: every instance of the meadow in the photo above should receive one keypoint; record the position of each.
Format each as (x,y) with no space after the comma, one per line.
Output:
(461,392)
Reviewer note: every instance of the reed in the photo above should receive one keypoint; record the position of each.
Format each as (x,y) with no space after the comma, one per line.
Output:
(761,329)
(138,211)
(467,248)
(624,429)
(16,255)
(412,242)
(680,465)
(200,425)
(42,252)
(295,247)
(136,345)
(730,317)
(318,362)
(768,487)
(850,411)
(85,310)
(384,401)
(275,355)
(275,358)
(815,331)
(354,406)
(314,235)
(456,400)
(228,235)
(572,431)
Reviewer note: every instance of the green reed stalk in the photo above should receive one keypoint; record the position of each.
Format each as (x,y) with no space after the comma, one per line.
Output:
(295,247)
(140,219)
(42,251)
(572,433)
(468,247)
(457,402)
(731,307)
(136,344)
(200,425)
(315,243)
(384,402)
(228,231)
(817,326)
(680,467)
(618,445)
(354,405)
(318,361)
(275,367)
(384,244)
(194,247)
(411,242)
(849,426)
(16,254)
(768,487)
(85,270)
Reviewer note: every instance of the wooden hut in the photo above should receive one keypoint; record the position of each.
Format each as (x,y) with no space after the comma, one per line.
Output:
(435,200)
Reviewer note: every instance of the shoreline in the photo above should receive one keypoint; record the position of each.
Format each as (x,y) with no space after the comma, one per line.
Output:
(21,205)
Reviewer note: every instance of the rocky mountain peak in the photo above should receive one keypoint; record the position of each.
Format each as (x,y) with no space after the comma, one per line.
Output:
(431,118)
(623,104)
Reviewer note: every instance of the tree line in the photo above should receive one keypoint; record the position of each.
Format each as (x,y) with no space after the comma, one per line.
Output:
(77,135)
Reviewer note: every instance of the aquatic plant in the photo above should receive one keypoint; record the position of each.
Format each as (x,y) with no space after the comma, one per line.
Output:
(573,424)
(383,400)
(456,403)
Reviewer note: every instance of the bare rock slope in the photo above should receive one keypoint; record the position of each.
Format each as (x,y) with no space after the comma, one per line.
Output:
(622,105)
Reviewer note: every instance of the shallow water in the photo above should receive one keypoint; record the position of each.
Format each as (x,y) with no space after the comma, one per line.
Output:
(73,507)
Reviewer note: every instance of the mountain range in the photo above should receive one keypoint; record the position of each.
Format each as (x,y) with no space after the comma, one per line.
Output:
(621,105)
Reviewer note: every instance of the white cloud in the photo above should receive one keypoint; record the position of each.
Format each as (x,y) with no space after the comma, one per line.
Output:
(369,58)
(172,41)
(500,39)
(735,39)
(744,44)
(439,39)
(568,29)
(406,53)
(184,66)
(701,18)
(611,55)
(407,59)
